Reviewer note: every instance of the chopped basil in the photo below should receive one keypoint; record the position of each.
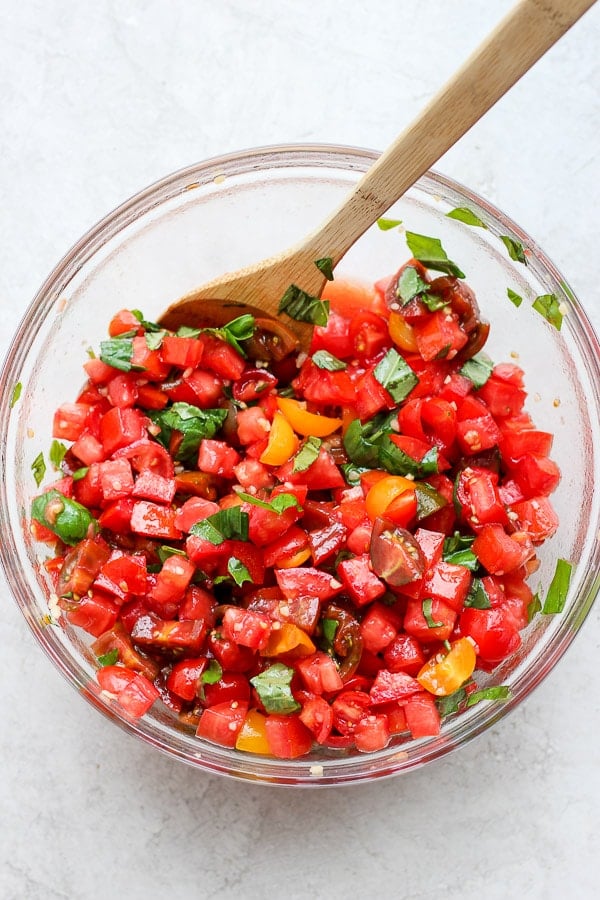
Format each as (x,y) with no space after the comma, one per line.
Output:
(307,454)
(16,394)
(278,504)
(428,500)
(501,692)
(387,224)
(188,331)
(67,519)
(165,552)
(212,673)
(433,302)
(117,352)
(534,607)
(430,252)
(194,424)
(78,474)
(477,369)
(397,462)
(410,284)
(146,325)
(514,298)
(559,588)
(329,628)
(395,375)
(427,607)
(478,597)
(549,307)
(110,658)
(466,215)
(325,360)
(457,550)
(325,265)
(304,307)
(240,329)
(38,467)
(56,454)
(361,450)
(273,687)
(452,703)
(515,248)
(352,473)
(238,571)
(154,339)
(230,523)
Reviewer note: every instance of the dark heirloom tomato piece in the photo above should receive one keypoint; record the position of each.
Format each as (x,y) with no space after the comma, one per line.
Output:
(347,642)
(395,554)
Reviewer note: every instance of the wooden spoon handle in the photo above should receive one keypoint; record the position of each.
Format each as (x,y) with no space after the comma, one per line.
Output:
(520,39)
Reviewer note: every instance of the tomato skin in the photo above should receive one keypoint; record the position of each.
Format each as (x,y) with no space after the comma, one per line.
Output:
(95,614)
(246,628)
(389,686)
(369,335)
(360,581)
(422,716)
(378,628)
(135,694)
(415,623)
(349,708)
(404,654)
(288,737)
(372,733)
(448,582)
(222,722)
(231,686)
(231,656)
(217,458)
(81,565)
(499,552)
(320,674)
(317,715)
(493,631)
(536,518)
(184,677)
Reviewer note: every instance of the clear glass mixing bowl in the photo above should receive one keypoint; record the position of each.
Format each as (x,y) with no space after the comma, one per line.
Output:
(232,211)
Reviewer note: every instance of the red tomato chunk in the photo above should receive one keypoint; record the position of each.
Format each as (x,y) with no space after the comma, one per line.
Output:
(250,547)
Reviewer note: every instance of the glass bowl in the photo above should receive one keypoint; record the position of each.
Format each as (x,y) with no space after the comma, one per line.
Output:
(228,212)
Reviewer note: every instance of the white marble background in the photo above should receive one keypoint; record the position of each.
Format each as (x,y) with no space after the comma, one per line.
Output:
(96,101)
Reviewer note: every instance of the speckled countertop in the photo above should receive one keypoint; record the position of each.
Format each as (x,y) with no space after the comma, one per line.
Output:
(97,101)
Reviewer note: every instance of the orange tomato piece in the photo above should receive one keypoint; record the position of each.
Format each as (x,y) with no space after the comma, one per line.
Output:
(289,639)
(296,560)
(402,333)
(306,423)
(253,734)
(282,443)
(445,673)
(384,492)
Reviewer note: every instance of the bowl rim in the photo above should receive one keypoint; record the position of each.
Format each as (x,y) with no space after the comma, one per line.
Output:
(341,158)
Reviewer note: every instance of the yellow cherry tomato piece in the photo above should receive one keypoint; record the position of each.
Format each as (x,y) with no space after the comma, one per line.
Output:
(289,639)
(444,674)
(253,734)
(402,334)
(306,423)
(282,444)
(293,561)
(384,491)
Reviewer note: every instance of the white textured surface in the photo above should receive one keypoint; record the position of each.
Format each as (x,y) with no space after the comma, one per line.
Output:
(98,100)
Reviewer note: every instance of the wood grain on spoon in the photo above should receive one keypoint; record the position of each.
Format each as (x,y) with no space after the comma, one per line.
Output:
(521,38)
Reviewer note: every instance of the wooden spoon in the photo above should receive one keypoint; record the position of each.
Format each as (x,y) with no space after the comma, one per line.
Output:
(520,39)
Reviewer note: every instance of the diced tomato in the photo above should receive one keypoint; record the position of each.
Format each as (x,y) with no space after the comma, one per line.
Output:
(153,520)
(184,677)
(378,628)
(448,582)
(198,604)
(147,360)
(222,723)
(288,737)
(323,474)
(536,475)
(369,335)
(415,623)
(152,486)
(229,687)
(439,336)
(349,708)
(116,479)
(81,565)
(359,579)
(477,495)
(307,582)
(422,716)
(317,716)
(171,583)
(69,421)
(183,352)
(94,613)
(390,686)
(217,458)
(246,628)
(320,674)
(372,733)
(121,427)
(334,337)
(88,448)
(404,654)
(499,552)
(493,631)
(152,632)
(536,517)
(232,657)
(221,358)
(116,516)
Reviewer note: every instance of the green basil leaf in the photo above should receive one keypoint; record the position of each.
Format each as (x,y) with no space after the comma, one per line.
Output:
(514,298)
(240,329)
(430,252)
(477,369)
(387,224)
(109,658)
(278,504)
(154,339)
(362,451)
(325,265)
(117,352)
(410,284)
(427,608)
(466,215)
(325,360)
(307,454)
(534,607)
(38,467)
(194,424)
(146,325)
(501,692)
(478,597)
(273,687)
(165,552)
(304,307)
(16,393)
(559,588)
(56,454)
(433,302)
(352,473)
(188,331)
(397,462)
(429,500)
(238,571)
(457,550)
(515,248)
(212,673)
(549,307)
(329,628)
(227,524)
(451,704)
(67,519)
(78,474)
(395,375)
